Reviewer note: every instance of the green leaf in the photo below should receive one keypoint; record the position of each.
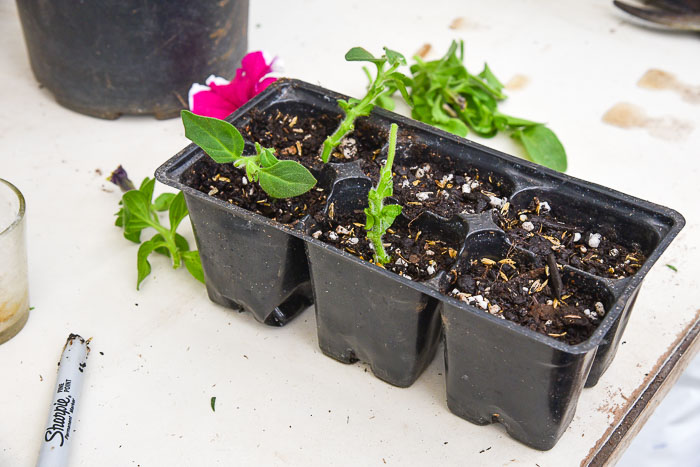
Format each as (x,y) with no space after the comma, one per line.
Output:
(286,179)
(454,126)
(398,81)
(132,236)
(178,211)
(181,243)
(252,170)
(494,85)
(490,78)
(221,140)
(162,202)
(369,223)
(438,113)
(119,221)
(163,250)
(138,215)
(542,146)
(267,157)
(358,54)
(672,267)
(394,57)
(390,212)
(386,102)
(142,264)
(514,121)
(147,187)
(473,104)
(193,264)
(213,403)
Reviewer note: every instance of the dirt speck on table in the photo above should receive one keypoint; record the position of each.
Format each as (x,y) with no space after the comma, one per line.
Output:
(667,127)
(662,80)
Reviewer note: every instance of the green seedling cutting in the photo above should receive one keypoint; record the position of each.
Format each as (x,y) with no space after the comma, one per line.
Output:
(444,94)
(224,143)
(379,216)
(139,212)
(384,83)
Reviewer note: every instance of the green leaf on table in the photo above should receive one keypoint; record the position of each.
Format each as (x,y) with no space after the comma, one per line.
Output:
(138,211)
(194,264)
(137,214)
(219,139)
(213,404)
(514,121)
(147,187)
(178,211)
(672,267)
(542,146)
(492,81)
(137,205)
(142,264)
(446,95)
(454,126)
(162,202)
(181,242)
(119,221)
(286,179)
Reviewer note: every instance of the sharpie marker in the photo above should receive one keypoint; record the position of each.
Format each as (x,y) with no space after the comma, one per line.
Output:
(59,429)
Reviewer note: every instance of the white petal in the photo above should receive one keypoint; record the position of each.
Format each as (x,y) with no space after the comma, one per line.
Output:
(218,80)
(194,89)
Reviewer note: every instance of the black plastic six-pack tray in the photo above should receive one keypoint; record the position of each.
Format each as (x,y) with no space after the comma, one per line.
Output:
(496,370)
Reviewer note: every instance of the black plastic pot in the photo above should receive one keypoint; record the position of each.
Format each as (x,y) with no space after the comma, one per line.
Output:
(107,58)
(249,262)
(496,370)
(367,313)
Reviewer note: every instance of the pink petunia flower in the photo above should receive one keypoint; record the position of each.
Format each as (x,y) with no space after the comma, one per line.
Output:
(221,97)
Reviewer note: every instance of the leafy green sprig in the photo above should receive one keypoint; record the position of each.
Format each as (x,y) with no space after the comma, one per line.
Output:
(225,144)
(384,83)
(446,95)
(139,212)
(379,216)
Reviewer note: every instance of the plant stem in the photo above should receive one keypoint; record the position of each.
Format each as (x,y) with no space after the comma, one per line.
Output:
(345,127)
(357,109)
(376,205)
(168,237)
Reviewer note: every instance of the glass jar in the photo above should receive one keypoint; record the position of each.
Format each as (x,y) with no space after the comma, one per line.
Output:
(14,290)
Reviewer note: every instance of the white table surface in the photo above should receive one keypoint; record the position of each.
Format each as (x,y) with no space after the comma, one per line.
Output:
(160,354)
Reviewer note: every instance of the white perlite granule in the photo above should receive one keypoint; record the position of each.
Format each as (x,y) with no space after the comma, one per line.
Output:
(599,308)
(594,240)
(529,226)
